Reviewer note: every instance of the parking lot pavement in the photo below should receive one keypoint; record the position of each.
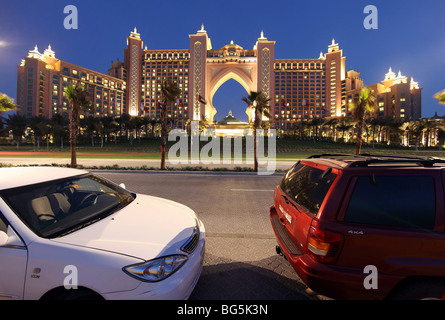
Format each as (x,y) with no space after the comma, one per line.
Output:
(240,261)
(270,278)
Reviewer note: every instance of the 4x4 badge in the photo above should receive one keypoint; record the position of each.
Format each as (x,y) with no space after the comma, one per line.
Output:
(355,232)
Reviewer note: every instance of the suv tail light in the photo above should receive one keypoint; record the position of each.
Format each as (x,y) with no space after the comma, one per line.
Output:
(324,246)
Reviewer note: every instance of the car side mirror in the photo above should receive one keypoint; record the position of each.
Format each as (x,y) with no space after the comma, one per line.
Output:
(11,239)
(3,238)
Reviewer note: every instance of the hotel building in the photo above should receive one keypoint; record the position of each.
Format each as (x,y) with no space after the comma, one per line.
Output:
(397,97)
(42,79)
(297,88)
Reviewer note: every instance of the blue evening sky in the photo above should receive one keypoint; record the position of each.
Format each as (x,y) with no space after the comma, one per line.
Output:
(410,35)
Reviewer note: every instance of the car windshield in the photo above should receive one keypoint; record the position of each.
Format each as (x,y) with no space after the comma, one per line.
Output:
(56,208)
(307,186)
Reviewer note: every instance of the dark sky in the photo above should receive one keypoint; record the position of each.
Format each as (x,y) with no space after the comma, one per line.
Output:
(410,35)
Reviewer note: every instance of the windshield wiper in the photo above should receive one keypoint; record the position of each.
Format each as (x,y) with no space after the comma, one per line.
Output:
(81,226)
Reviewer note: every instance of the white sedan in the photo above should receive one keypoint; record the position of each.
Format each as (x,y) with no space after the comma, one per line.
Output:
(70,234)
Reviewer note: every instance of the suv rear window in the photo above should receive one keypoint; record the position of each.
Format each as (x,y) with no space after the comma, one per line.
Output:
(402,201)
(307,186)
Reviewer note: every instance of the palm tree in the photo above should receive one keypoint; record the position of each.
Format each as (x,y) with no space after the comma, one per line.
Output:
(107,125)
(373,122)
(260,104)
(417,128)
(331,124)
(131,126)
(139,123)
(344,125)
(363,104)
(17,124)
(315,124)
(58,128)
(152,122)
(170,92)
(441,137)
(78,98)
(37,125)
(393,126)
(90,126)
(45,130)
(431,127)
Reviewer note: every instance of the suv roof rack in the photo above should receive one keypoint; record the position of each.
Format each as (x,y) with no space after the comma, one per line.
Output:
(365,159)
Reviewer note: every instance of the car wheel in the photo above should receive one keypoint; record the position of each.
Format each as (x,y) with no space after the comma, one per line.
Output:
(424,290)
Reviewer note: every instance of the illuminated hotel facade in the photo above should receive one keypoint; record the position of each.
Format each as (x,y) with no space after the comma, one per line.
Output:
(42,79)
(298,88)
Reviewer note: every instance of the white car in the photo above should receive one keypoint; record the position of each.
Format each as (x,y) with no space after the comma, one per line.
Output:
(69,234)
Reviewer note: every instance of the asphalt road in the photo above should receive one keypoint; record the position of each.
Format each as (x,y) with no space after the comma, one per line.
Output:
(240,262)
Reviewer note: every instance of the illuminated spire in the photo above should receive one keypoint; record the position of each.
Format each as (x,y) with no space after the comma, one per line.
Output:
(333,47)
(414,84)
(390,75)
(202,29)
(400,78)
(135,34)
(49,52)
(35,53)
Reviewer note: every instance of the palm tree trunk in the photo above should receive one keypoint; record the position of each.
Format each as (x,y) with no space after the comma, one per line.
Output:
(255,159)
(359,138)
(73,155)
(73,132)
(163,135)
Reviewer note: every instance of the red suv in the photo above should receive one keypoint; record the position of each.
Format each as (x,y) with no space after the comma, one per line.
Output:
(364,226)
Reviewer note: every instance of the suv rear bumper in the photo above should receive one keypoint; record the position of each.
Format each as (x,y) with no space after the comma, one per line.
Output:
(329,280)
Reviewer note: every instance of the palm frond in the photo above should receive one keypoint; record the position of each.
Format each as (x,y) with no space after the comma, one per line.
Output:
(440,96)
(6,103)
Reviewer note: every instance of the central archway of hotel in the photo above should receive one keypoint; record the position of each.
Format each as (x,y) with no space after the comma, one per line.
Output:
(228,98)
(234,75)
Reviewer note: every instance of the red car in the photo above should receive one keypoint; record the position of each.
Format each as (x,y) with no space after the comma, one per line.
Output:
(365,226)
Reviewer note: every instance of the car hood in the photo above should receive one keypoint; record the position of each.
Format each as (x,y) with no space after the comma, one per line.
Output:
(146,228)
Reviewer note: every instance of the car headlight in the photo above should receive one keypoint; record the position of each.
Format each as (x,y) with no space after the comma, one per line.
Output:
(157,269)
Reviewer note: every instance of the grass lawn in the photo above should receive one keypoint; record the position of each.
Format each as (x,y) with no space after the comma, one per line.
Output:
(286,149)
